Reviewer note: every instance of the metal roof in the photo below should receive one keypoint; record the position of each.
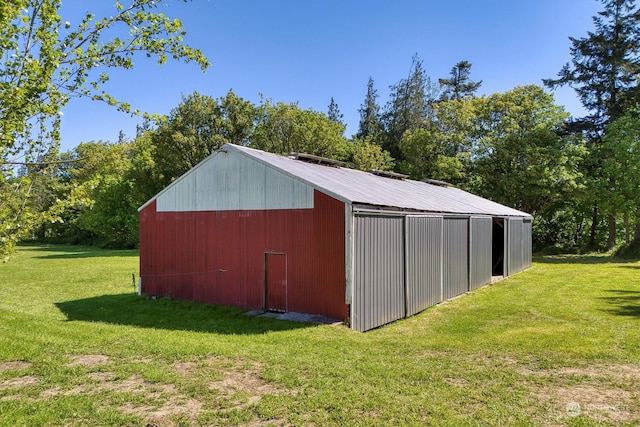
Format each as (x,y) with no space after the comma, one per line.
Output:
(358,187)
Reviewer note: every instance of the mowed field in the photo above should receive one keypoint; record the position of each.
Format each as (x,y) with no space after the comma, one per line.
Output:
(558,344)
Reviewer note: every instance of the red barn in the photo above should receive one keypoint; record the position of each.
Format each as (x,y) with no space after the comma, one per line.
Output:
(262,231)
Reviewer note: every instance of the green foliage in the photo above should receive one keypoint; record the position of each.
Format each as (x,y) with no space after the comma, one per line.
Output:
(95,201)
(44,62)
(15,213)
(458,86)
(430,156)
(604,67)
(410,104)
(285,128)
(441,148)
(519,158)
(619,188)
(369,124)
(197,127)
(366,155)
(334,114)
(604,73)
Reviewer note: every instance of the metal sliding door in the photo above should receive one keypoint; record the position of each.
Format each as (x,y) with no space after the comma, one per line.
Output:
(423,262)
(378,294)
(480,251)
(456,257)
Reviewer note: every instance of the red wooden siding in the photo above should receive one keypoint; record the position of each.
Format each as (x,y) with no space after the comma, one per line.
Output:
(219,256)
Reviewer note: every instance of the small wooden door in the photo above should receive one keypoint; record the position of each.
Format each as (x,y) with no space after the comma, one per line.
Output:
(275,271)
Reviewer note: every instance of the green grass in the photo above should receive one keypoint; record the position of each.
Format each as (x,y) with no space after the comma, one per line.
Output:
(79,347)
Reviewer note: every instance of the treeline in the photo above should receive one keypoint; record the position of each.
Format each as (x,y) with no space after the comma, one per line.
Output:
(579,177)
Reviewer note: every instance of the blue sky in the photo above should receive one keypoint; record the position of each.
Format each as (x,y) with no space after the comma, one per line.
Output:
(311,50)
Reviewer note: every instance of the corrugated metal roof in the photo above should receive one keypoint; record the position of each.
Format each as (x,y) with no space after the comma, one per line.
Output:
(357,187)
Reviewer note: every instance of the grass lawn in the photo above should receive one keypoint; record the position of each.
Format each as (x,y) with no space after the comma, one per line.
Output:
(556,345)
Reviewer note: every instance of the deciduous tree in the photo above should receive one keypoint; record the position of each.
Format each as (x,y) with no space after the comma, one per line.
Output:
(198,126)
(284,128)
(519,157)
(45,61)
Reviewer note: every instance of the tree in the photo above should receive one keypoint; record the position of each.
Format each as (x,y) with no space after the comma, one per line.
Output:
(284,128)
(17,216)
(442,148)
(366,155)
(604,73)
(519,157)
(458,86)
(334,113)
(369,124)
(620,186)
(94,201)
(44,62)
(605,66)
(410,104)
(197,127)
(429,156)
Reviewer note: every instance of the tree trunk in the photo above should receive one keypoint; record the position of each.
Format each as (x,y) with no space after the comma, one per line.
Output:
(594,226)
(611,239)
(636,234)
(627,228)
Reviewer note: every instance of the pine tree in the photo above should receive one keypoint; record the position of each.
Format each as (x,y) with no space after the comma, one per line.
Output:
(410,104)
(605,65)
(458,85)
(369,113)
(334,112)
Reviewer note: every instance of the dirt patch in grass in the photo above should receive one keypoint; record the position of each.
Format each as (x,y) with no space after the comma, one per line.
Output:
(102,376)
(184,368)
(599,392)
(15,365)
(618,373)
(88,360)
(457,382)
(244,383)
(160,404)
(598,403)
(19,382)
(164,401)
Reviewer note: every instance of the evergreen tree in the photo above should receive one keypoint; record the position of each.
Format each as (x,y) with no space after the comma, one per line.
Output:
(458,86)
(369,113)
(605,65)
(604,73)
(334,112)
(410,104)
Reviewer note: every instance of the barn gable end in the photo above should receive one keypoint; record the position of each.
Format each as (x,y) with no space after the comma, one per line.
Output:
(229,181)
(224,230)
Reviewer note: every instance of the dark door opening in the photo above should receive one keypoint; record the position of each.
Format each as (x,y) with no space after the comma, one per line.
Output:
(497,247)
(275,280)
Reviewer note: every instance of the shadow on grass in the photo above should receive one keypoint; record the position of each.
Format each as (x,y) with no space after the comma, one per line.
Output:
(134,310)
(71,252)
(623,302)
(582,259)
